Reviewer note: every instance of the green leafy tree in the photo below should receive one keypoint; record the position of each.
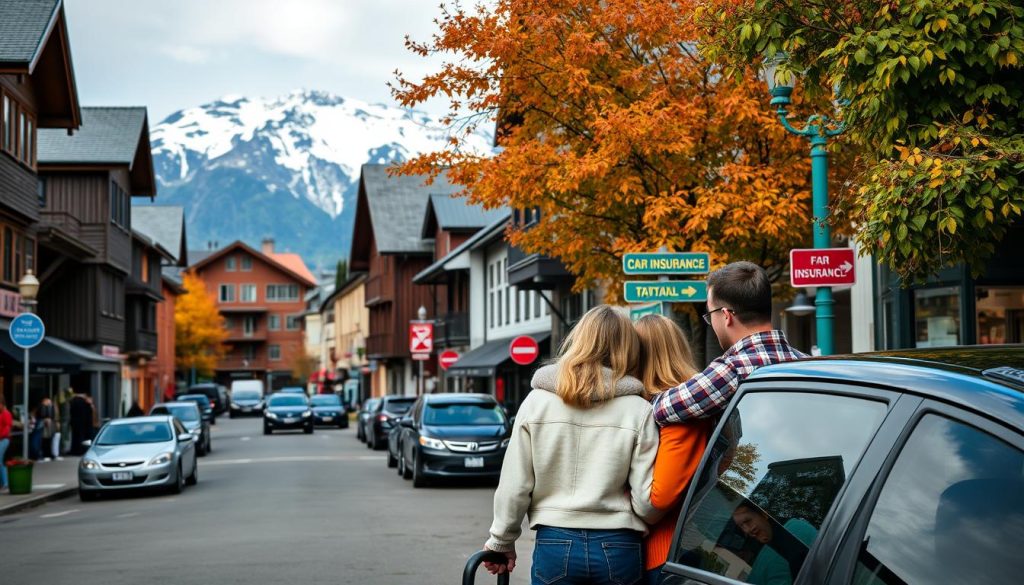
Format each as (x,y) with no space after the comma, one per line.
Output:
(934,92)
(341,274)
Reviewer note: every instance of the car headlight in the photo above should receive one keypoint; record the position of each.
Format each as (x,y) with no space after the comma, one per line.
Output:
(89,464)
(162,459)
(505,442)
(431,443)
(198,431)
(233,405)
(271,415)
(306,414)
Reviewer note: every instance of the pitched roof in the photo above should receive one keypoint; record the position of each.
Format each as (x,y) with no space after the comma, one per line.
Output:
(434,273)
(107,135)
(294,263)
(164,224)
(305,275)
(397,206)
(456,213)
(24,25)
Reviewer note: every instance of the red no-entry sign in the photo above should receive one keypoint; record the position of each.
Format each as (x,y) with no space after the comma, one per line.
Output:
(824,267)
(524,350)
(447,359)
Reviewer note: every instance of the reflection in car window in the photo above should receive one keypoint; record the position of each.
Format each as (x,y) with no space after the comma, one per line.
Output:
(951,511)
(463,414)
(288,400)
(772,476)
(245,395)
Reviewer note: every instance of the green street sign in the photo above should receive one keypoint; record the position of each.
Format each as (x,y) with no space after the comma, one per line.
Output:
(667,263)
(669,291)
(637,311)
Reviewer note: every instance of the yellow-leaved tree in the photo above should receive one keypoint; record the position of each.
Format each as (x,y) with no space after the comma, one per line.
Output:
(199,332)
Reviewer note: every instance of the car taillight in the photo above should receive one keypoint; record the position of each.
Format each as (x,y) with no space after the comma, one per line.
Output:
(382,417)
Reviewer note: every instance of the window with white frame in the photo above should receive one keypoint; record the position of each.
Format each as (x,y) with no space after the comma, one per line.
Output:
(227,293)
(274,322)
(274,351)
(248,293)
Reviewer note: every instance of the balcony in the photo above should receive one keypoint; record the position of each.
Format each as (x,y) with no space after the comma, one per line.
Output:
(379,345)
(452,330)
(536,272)
(140,342)
(237,362)
(380,289)
(63,220)
(239,336)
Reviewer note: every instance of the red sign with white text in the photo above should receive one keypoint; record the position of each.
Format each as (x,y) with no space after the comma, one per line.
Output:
(447,359)
(825,267)
(421,337)
(524,350)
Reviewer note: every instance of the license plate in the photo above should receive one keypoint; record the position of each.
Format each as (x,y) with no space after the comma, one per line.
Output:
(123,476)
(290,420)
(328,418)
(474,461)
(246,409)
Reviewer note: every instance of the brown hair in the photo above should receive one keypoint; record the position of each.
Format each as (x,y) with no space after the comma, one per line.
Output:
(744,288)
(604,338)
(667,359)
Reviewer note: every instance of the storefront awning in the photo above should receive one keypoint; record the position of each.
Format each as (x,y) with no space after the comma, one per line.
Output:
(484,360)
(54,356)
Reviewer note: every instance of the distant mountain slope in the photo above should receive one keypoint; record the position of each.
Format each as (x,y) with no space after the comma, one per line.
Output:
(285,168)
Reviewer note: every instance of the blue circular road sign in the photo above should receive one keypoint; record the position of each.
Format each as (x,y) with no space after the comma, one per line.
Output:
(27,330)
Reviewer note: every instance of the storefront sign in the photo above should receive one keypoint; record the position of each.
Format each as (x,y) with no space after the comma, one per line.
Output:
(110,351)
(670,291)
(447,359)
(824,267)
(421,337)
(524,350)
(27,330)
(667,263)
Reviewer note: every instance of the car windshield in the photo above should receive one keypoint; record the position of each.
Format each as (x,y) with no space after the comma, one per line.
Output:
(463,414)
(124,434)
(245,395)
(399,405)
(326,400)
(287,400)
(199,398)
(182,412)
(293,390)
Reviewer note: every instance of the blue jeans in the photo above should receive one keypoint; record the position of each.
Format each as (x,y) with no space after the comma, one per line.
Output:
(653,575)
(567,556)
(3,464)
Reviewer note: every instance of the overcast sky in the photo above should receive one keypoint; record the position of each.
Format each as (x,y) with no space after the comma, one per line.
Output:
(170,55)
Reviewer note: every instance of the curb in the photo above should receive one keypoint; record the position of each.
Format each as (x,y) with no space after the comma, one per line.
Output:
(38,500)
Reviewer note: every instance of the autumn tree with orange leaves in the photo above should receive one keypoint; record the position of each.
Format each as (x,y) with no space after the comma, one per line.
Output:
(618,130)
(199,332)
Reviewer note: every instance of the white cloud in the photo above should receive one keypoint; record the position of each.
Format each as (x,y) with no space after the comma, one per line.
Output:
(185,54)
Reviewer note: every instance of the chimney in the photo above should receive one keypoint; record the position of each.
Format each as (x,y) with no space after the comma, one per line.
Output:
(268,246)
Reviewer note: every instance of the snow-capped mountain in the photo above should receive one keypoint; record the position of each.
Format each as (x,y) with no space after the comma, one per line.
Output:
(287,168)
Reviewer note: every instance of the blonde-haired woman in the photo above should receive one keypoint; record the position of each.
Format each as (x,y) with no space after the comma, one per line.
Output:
(580,461)
(668,362)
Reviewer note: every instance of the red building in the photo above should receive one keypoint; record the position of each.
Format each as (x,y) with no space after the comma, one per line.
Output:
(260,294)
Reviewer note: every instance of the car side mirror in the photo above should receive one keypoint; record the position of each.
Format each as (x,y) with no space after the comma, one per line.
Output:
(405,421)
(185,437)
(87,443)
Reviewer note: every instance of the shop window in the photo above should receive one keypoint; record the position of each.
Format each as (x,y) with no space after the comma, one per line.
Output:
(937,316)
(1000,314)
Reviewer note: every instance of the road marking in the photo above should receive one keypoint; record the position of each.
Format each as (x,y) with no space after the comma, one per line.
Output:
(57,514)
(292,459)
(128,515)
(246,438)
(48,486)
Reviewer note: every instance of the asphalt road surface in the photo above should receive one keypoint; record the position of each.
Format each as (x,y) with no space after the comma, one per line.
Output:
(285,509)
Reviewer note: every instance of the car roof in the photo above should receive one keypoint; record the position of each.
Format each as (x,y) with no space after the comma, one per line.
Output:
(989,379)
(190,395)
(458,398)
(141,419)
(176,403)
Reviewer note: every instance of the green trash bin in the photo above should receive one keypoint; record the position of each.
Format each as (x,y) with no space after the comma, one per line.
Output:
(19,476)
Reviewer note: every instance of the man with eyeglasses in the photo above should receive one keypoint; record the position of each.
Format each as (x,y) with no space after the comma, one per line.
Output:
(739,309)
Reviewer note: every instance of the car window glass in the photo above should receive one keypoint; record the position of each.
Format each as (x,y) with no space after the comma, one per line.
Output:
(951,511)
(399,406)
(178,427)
(463,414)
(772,476)
(326,400)
(246,395)
(288,400)
(184,412)
(153,432)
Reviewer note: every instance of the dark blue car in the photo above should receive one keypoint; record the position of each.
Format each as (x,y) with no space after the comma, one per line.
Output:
(885,468)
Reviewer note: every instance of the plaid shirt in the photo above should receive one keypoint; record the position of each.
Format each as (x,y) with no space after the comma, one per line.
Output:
(708,393)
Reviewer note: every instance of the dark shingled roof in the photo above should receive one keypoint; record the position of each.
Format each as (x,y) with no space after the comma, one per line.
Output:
(397,207)
(23,24)
(107,136)
(455,213)
(164,224)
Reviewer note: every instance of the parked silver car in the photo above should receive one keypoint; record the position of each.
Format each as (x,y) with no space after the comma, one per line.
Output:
(150,452)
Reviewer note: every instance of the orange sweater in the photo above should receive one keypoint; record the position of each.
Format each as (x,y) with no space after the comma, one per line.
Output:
(678,456)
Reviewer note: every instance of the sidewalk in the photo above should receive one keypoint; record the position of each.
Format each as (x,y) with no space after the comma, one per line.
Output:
(51,480)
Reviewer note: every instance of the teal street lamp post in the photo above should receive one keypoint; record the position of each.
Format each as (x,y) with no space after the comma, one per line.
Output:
(817,129)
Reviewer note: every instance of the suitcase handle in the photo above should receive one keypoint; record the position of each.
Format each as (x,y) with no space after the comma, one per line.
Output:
(480,557)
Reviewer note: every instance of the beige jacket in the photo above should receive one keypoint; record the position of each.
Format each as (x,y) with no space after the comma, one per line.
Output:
(577,468)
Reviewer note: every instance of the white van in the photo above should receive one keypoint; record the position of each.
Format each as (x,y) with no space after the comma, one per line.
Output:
(246,398)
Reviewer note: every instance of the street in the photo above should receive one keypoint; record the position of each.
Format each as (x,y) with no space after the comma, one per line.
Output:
(268,509)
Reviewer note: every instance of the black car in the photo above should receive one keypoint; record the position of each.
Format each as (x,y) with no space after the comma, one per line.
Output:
(287,411)
(246,403)
(188,414)
(451,435)
(328,410)
(209,415)
(363,417)
(387,413)
(217,394)
(875,469)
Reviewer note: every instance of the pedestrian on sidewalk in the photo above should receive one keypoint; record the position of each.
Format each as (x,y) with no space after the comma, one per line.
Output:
(81,422)
(579,462)
(668,362)
(46,415)
(35,440)
(6,422)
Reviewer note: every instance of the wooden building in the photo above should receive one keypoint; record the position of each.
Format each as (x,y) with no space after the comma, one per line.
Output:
(346,325)
(260,293)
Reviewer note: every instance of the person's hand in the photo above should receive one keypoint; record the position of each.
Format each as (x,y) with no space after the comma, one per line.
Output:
(498,569)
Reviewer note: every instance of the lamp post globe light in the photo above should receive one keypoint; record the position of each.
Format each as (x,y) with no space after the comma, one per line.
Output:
(28,287)
(817,129)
